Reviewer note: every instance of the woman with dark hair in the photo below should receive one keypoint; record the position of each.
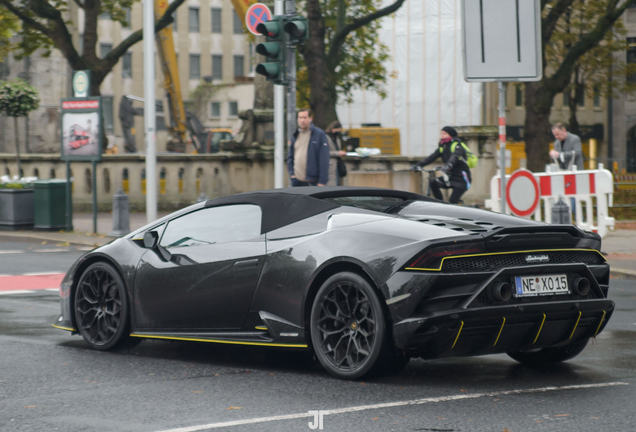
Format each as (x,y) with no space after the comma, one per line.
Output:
(334,138)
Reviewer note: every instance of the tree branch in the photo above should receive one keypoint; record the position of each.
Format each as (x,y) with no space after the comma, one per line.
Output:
(25,18)
(340,36)
(549,23)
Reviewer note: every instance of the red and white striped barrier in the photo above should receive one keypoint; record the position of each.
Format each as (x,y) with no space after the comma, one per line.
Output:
(583,186)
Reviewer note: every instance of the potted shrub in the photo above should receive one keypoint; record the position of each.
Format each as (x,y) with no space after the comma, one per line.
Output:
(16,202)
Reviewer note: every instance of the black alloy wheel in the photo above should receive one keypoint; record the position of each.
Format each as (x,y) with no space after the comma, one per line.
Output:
(549,355)
(101,307)
(347,326)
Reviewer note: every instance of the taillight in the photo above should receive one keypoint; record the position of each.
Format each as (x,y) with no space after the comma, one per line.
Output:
(433,255)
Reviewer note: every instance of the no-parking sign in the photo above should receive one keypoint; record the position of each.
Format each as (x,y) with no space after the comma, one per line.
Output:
(256,14)
(522,193)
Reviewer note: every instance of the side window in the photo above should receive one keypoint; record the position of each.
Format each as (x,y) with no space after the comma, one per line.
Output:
(213,225)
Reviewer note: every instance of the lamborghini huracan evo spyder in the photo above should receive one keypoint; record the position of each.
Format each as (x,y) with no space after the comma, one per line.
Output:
(366,278)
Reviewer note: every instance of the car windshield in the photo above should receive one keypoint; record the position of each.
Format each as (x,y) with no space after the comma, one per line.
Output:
(376,203)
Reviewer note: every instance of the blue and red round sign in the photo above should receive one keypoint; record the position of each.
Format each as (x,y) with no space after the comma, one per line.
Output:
(256,14)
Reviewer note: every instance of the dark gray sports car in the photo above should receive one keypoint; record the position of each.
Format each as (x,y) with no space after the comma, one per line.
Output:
(366,278)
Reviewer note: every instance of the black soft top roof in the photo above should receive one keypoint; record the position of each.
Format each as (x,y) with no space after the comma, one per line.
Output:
(285,206)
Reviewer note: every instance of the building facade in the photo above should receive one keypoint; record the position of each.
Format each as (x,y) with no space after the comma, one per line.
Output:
(211,47)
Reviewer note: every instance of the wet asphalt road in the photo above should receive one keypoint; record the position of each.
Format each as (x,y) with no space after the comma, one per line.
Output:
(50,380)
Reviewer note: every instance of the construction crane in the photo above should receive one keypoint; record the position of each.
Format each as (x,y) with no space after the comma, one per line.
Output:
(181,121)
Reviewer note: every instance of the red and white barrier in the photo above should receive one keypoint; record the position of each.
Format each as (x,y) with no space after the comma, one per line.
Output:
(583,186)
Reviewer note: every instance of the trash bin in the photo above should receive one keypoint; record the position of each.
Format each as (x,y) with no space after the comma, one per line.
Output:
(49,204)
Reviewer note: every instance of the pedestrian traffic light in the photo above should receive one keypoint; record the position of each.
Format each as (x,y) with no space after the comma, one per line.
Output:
(274,50)
(297,29)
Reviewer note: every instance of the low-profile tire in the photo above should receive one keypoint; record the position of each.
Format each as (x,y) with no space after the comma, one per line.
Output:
(101,307)
(347,326)
(549,355)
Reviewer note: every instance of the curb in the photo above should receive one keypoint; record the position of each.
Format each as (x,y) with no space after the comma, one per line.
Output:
(55,238)
(622,273)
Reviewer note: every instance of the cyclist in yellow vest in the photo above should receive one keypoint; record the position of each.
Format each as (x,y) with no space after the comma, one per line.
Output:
(455,172)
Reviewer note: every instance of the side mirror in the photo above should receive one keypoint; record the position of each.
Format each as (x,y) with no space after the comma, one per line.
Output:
(151,239)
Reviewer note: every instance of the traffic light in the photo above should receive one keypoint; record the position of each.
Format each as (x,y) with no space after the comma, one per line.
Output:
(275,50)
(297,29)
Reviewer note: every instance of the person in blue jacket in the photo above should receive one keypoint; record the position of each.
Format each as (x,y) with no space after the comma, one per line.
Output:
(308,157)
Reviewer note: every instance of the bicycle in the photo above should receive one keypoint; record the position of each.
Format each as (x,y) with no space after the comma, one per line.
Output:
(432,176)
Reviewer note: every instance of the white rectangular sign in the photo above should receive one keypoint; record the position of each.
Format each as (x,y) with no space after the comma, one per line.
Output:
(502,40)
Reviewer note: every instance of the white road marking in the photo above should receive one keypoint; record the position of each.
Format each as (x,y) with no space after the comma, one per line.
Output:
(40,274)
(390,405)
(11,251)
(16,292)
(52,289)
(50,250)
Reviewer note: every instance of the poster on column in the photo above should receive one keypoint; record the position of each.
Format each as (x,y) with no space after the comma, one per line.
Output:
(81,129)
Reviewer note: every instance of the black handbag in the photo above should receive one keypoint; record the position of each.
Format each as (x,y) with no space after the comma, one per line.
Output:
(342,168)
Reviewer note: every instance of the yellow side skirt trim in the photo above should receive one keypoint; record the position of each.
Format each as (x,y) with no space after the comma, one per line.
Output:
(219,341)
(600,324)
(500,330)
(539,332)
(64,328)
(458,333)
(576,325)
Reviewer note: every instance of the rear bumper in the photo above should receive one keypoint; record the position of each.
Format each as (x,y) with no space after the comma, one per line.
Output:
(497,329)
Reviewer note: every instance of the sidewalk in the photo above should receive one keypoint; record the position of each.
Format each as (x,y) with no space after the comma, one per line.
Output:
(619,247)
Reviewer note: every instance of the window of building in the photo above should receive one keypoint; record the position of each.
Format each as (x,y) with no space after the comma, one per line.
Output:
(80,48)
(104,15)
(215,109)
(239,61)
(581,99)
(518,95)
(233,109)
(566,98)
(107,114)
(126,66)
(215,225)
(127,18)
(238,24)
(104,49)
(217,67)
(193,20)
(597,96)
(216,20)
(195,66)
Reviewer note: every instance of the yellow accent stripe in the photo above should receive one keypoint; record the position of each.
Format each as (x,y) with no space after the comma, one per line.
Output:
(504,253)
(220,341)
(575,325)
(600,324)
(260,328)
(63,328)
(458,333)
(539,332)
(500,330)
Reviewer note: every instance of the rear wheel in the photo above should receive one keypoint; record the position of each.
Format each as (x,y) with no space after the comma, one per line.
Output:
(550,355)
(101,307)
(347,326)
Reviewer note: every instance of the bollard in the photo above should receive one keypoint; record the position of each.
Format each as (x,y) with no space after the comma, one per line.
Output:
(202,197)
(121,215)
(561,213)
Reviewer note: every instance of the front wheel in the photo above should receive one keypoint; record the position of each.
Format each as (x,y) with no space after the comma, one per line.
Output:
(101,307)
(550,355)
(347,326)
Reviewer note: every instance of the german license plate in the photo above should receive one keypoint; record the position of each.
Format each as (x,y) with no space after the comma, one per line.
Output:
(527,286)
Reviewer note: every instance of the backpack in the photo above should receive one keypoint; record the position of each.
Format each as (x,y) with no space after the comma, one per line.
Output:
(471,159)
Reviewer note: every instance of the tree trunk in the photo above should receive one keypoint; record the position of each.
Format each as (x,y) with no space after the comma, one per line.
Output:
(323,97)
(573,122)
(17,146)
(537,128)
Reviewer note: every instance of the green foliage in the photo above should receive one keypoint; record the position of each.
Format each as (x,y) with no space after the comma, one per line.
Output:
(18,98)
(9,25)
(360,64)
(591,71)
(16,183)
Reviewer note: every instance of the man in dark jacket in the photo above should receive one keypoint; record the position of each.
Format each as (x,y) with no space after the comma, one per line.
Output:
(455,173)
(308,157)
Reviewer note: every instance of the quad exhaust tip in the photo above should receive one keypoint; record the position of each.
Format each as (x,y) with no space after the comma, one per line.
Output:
(581,286)
(500,291)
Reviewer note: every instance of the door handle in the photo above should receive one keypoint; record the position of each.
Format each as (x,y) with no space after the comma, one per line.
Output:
(244,265)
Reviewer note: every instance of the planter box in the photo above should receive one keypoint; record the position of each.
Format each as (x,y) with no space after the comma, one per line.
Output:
(16,209)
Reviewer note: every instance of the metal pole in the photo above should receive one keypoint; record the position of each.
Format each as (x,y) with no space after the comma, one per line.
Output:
(502,143)
(290,10)
(149,111)
(279,120)
(69,204)
(94,197)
